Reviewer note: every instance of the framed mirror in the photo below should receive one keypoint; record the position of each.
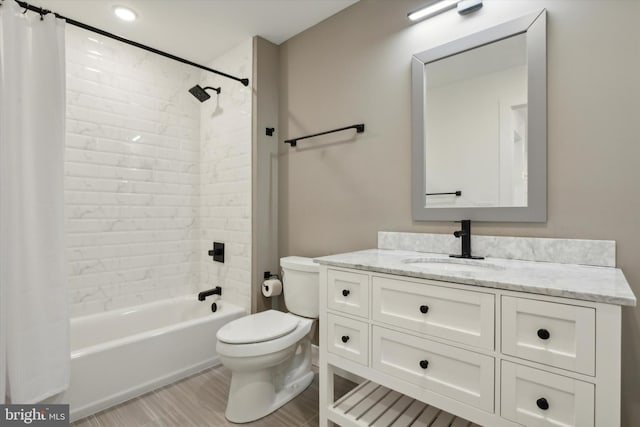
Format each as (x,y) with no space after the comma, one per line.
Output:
(479,124)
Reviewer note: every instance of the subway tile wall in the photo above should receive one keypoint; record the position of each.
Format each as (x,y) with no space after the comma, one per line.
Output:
(225,177)
(134,164)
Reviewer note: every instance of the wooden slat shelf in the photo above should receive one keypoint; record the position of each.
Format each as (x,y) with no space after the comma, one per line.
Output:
(370,404)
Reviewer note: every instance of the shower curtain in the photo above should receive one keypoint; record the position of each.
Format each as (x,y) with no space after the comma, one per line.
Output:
(34,318)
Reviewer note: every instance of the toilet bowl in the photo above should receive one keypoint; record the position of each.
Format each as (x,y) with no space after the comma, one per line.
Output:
(269,353)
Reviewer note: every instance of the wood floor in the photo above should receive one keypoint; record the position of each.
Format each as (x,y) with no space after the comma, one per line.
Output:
(200,401)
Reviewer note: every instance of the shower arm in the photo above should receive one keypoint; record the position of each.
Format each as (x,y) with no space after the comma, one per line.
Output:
(216,89)
(41,11)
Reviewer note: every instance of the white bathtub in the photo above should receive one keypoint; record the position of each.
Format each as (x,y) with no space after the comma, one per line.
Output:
(121,354)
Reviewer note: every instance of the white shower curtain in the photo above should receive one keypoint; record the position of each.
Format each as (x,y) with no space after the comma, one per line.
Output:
(34,318)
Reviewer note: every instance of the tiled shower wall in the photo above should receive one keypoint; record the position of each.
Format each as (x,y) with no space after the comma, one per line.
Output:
(225,187)
(133,169)
(132,175)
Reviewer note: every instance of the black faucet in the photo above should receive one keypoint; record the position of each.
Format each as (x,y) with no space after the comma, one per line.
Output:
(204,294)
(465,234)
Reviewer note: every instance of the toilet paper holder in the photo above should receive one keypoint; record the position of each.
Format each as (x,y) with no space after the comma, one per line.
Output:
(267,275)
(266,289)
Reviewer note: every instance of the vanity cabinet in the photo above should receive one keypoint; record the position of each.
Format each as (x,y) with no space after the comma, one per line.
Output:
(560,335)
(348,292)
(428,308)
(463,375)
(468,354)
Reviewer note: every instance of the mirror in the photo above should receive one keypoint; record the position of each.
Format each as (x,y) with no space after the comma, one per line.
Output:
(479,126)
(475,118)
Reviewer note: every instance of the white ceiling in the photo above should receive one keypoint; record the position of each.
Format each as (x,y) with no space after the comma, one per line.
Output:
(200,30)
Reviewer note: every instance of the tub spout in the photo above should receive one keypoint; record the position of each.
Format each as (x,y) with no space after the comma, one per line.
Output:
(204,294)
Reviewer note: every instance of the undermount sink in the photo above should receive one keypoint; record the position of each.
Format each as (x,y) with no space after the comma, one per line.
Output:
(452,264)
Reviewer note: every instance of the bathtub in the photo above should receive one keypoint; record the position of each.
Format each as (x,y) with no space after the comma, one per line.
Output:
(121,354)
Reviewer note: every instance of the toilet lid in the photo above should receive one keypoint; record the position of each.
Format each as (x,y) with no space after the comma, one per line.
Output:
(259,327)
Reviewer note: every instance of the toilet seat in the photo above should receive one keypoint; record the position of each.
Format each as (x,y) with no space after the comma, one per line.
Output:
(265,326)
(302,326)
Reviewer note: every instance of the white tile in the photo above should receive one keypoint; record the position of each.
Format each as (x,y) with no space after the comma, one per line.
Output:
(153,177)
(132,176)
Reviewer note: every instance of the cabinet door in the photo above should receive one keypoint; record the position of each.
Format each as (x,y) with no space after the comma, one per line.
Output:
(537,398)
(348,292)
(555,334)
(348,338)
(454,314)
(460,374)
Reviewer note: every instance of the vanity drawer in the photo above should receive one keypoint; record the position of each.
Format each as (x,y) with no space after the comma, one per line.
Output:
(453,314)
(348,338)
(554,334)
(348,292)
(460,374)
(526,392)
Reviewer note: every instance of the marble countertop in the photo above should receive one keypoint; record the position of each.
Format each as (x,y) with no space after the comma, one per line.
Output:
(588,283)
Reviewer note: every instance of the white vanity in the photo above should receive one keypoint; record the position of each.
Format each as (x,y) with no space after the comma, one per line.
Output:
(497,342)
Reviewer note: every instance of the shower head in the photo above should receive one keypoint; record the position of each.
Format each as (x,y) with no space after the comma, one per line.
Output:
(201,92)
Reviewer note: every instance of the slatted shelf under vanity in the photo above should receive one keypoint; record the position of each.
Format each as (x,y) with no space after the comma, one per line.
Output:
(370,404)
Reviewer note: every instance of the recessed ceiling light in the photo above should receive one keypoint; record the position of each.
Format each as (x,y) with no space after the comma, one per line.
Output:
(125,13)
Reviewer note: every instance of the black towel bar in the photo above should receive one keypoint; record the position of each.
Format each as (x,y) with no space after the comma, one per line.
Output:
(359,129)
(456,193)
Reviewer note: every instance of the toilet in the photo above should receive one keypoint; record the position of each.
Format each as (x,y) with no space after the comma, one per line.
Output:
(269,353)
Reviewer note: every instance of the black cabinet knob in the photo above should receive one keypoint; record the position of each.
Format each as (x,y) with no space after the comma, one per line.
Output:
(424,309)
(543,334)
(424,364)
(345,292)
(542,403)
(345,338)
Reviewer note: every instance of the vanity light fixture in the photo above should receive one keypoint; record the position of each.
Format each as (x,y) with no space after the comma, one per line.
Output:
(468,6)
(125,13)
(432,9)
(440,6)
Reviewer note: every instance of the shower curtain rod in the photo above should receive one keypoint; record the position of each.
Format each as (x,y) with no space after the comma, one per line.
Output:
(84,26)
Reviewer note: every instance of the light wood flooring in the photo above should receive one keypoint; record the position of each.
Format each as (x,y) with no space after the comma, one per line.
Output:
(200,401)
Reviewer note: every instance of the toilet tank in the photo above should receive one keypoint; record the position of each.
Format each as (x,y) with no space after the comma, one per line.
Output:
(300,285)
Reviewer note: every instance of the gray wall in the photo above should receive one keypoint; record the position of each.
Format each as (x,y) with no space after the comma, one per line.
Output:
(265,168)
(355,67)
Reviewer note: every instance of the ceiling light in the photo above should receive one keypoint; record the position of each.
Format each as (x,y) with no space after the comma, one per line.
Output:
(435,8)
(125,13)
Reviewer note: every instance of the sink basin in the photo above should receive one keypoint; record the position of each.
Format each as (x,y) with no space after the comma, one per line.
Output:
(452,264)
